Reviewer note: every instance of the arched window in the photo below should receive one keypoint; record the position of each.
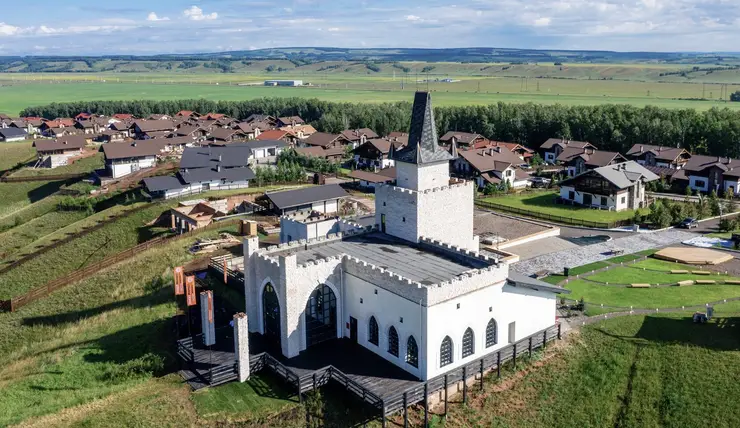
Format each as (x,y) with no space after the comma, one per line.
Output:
(468,343)
(373,332)
(321,316)
(393,341)
(445,352)
(271,316)
(412,352)
(491,332)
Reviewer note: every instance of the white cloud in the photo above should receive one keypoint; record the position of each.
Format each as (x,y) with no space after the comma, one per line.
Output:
(9,30)
(287,10)
(542,22)
(413,18)
(153,17)
(196,14)
(333,29)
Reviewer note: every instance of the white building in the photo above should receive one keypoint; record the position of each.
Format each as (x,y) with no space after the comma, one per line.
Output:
(122,159)
(613,187)
(414,288)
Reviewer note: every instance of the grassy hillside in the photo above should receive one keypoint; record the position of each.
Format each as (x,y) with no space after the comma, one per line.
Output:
(627,372)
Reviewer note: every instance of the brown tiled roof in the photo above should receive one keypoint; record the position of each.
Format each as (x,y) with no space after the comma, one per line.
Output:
(370,177)
(62,143)
(489,159)
(272,134)
(134,149)
(550,143)
(383,145)
(290,119)
(155,125)
(223,133)
(314,151)
(356,134)
(462,137)
(595,158)
(700,162)
(322,139)
(663,153)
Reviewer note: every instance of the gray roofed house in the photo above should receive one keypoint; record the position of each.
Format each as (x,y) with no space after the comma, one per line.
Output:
(323,199)
(12,134)
(614,187)
(161,183)
(422,147)
(235,155)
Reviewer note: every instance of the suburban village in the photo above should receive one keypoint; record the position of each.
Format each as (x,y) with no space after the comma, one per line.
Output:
(407,270)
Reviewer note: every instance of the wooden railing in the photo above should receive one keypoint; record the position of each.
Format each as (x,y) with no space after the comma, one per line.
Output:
(48,177)
(78,275)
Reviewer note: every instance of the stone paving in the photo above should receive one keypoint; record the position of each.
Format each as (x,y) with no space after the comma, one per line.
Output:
(556,261)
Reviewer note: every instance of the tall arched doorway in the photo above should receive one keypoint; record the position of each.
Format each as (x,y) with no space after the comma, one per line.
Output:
(321,316)
(271,317)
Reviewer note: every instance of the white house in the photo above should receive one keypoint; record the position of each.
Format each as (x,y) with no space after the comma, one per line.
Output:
(415,289)
(13,134)
(54,153)
(614,187)
(122,159)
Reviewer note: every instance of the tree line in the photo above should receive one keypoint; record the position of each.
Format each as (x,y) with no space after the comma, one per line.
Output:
(609,127)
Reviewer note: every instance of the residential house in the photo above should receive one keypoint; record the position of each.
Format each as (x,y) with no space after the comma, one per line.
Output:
(552,148)
(524,153)
(83,116)
(327,141)
(579,160)
(158,116)
(61,132)
(252,130)
(124,127)
(300,132)
(13,134)
(462,139)
(193,131)
(370,180)
(333,154)
(214,116)
(666,157)
(277,134)
(88,127)
(187,114)
(30,124)
(190,215)
(122,159)
(54,153)
(123,116)
(262,118)
(491,165)
(112,136)
(264,151)
(324,199)
(375,153)
(707,173)
(358,136)
(290,121)
(146,129)
(226,135)
(615,187)
(203,169)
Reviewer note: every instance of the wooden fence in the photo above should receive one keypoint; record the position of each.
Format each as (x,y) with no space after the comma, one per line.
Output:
(551,217)
(37,293)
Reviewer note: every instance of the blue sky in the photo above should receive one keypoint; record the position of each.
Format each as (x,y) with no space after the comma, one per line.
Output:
(51,27)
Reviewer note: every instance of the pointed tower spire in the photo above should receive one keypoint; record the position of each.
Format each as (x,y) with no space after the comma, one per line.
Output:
(422,147)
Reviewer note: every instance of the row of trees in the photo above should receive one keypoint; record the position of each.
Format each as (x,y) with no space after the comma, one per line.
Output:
(665,212)
(609,127)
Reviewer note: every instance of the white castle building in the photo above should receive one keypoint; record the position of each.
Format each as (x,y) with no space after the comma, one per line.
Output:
(413,289)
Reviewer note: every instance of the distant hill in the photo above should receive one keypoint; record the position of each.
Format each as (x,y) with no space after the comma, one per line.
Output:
(298,56)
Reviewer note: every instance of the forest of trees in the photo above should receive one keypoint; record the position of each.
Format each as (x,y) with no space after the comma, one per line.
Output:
(609,127)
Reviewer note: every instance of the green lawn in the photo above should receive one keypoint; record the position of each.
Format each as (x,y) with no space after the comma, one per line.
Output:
(630,372)
(664,265)
(14,239)
(259,398)
(17,196)
(632,275)
(97,344)
(543,203)
(650,298)
(11,154)
(580,270)
(84,165)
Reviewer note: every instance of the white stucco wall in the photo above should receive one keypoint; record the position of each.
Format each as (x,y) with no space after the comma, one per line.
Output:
(118,170)
(699,183)
(422,177)
(531,310)
(614,202)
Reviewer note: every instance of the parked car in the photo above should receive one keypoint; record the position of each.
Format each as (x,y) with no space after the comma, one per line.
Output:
(689,223)
(539,181)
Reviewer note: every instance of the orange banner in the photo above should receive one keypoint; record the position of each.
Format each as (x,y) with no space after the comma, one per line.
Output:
(179,281)
(226,277)
(210,306)
(190,290)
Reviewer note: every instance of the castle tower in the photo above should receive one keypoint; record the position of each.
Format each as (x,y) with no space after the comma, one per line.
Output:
(425,202)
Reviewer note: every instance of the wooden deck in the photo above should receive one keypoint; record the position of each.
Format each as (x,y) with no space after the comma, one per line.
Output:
(204,366)
(360,365)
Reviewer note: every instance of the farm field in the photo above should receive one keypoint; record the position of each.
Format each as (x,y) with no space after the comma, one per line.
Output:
(544,203)
(14,98)
(634,371)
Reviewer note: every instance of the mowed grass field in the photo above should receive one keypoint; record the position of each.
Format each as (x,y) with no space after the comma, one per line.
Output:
(14,98)
(640,371)
(11,154)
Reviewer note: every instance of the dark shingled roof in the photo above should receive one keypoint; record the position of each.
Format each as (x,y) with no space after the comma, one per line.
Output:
(195,175)
(307,195)
(234,155)
(260,144)
(12,132)
(422,147)
(157,184)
